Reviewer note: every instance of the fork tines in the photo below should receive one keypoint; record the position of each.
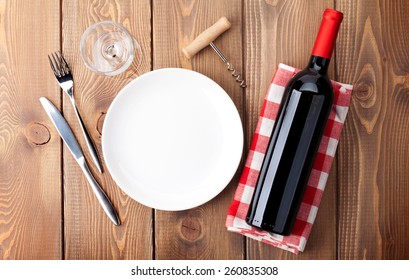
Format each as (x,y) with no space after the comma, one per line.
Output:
(60,65)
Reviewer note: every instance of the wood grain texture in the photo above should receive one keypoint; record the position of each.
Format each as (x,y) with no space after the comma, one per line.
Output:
(284,32)
(30,148)
(47,209)
(89,234)
(198,233)
(373,54)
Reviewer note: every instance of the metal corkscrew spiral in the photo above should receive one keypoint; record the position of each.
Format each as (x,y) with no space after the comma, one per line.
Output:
(206,38)
(233,71)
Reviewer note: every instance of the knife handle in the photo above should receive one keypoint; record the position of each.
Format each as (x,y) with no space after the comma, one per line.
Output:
(100,194)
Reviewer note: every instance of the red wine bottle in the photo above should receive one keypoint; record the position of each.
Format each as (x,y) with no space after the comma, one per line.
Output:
(304,110)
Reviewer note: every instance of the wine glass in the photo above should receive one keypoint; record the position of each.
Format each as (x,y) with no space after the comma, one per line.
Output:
(108,48)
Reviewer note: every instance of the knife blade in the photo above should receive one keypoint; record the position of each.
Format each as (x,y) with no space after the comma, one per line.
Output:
(70,141)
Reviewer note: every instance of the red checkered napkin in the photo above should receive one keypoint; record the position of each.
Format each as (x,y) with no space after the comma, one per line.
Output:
(238,209)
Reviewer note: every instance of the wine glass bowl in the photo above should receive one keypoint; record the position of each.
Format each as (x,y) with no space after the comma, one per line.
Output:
(108,48)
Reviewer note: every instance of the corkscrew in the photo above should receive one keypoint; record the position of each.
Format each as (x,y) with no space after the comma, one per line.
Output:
(206,38)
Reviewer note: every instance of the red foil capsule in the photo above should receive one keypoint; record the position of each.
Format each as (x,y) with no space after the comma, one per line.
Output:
(327,34)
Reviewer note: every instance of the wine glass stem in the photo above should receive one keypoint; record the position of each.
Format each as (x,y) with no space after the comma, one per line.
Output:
(111,51)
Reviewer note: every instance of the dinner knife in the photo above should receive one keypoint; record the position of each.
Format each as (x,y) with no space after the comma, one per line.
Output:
(69,139)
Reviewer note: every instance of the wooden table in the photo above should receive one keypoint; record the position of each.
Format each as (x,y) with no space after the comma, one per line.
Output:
(48,211)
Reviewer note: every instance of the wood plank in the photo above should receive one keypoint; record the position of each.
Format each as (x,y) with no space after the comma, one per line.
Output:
(30,148)
(373,154)
(198,233)
(89,234)
(284,31)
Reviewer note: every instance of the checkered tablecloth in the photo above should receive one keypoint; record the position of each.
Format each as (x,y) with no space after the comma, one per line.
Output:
(308,210)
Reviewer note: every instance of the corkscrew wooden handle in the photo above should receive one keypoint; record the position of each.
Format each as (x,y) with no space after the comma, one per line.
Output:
(206,37)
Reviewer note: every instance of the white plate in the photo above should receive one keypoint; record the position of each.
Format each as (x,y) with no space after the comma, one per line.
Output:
(172,139)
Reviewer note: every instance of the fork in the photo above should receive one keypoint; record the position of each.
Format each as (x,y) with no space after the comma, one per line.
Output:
(64,78)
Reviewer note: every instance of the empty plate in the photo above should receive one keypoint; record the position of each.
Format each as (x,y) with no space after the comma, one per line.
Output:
(172,139)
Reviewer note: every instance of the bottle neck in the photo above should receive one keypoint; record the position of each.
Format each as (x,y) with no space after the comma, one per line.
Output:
(318,64)
(327,34)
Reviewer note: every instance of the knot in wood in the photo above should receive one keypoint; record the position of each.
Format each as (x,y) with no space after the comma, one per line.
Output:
(100,122)
(363,91)
(38,134)
(191,228)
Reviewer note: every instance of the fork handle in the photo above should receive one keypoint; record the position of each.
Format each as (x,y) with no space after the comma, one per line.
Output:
(90,144)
